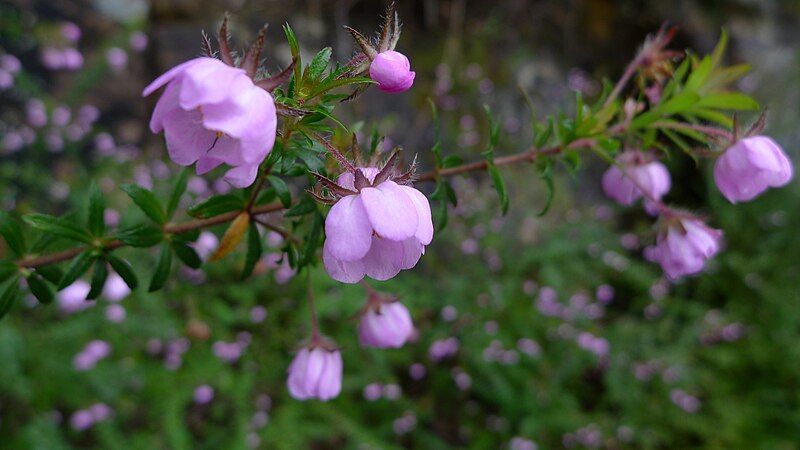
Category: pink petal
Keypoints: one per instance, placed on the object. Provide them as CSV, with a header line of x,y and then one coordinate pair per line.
x,y
208,82
166,104
170,75
391,212
242,176
425,223
342,271
348,233
385,259
186,138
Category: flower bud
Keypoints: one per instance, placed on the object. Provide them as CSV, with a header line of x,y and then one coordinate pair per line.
x,y
392,71
749,167
685,246
385,325
637,175
315,372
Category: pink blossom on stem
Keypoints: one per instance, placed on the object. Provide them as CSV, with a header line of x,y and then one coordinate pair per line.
x,y
213,114
315,372
636,175
71,32
392,71
751,166
385,325
377,232
685,245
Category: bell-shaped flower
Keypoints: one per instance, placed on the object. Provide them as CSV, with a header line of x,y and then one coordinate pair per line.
x,y
385,325
315,372
749,167
685,245
392,71
212,114
635,176
377,231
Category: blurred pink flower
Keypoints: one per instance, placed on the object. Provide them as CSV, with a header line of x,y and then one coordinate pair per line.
x,y
751,166
685,246
385,325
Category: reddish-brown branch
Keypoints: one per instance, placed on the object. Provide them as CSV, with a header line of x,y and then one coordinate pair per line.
x,y
529,155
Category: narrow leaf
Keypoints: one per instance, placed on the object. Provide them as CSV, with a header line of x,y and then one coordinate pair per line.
x,y
187,255
97,207
233,235
51,273
281,189
217,205
58,227
12,233
7,270
8,297
78,267
147,202
162,268
124,270
500,187
141,235
99,276
177,192
254,250
318,64
40,289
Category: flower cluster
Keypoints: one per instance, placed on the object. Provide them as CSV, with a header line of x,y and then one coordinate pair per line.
x,y
684,244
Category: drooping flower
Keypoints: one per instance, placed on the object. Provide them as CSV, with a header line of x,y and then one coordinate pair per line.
x,y
385,325
392,71
315,372
751,166
685,245
213,114
376,230
637,175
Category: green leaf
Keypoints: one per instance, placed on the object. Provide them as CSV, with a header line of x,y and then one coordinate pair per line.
x,y
217,205
177,192
254,250
500,187
546,175
40,289
97,207
78,267
281,189
312,242
699,74
7,270
51,273
451,161
124,270
187,255
99,277
303,207
58,227
8,297
147,202
729,101
12,233
333,84
162,268
318,64
141,235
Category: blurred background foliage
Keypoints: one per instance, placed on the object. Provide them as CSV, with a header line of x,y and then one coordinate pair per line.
x,y
533,331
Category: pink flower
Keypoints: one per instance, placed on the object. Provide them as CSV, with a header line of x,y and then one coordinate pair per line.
x,y
115,289
72,298
377,232
749,167
392,71
203,394
70,31
315,372
211,114
116,58
138,41
635,172
385,325
685,246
